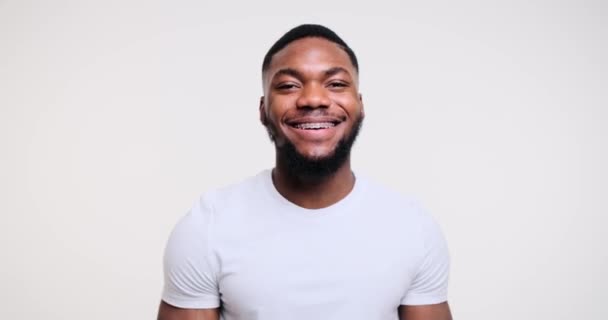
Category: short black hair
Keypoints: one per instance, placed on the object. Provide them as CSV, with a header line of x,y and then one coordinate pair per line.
x,y
308,31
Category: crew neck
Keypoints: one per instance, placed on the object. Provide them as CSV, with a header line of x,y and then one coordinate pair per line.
x,y
347,201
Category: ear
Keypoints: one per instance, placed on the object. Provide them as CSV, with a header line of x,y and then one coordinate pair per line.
x,y
362,108
262,110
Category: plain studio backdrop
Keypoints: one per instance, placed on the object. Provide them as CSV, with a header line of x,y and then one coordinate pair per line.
x,y
116,115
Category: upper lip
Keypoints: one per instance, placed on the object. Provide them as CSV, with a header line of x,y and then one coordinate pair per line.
x,y
317,119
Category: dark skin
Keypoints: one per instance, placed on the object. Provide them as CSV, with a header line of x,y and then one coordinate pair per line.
x,y
169,312
310,74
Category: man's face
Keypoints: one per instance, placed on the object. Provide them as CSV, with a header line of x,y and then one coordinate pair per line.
x,y
311,101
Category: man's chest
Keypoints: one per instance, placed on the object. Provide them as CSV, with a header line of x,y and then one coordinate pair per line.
x,y
279,273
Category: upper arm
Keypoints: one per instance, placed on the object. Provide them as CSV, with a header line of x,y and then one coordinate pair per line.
x,y
429,283
190,269
169,312
439,311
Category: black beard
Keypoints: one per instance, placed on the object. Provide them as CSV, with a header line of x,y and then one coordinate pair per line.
x,y
298,165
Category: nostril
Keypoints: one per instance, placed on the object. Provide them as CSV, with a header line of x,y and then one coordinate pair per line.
x,y
313,98
313,103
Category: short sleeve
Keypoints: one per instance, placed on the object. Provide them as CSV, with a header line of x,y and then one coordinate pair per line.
x,y
430,283
190,271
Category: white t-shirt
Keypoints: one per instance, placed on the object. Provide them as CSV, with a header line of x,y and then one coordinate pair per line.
x,y
259,256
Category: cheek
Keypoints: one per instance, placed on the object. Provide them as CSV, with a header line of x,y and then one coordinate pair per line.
x,y
349,103
277,109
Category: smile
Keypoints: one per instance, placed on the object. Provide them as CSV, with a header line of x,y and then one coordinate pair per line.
x,y
314,125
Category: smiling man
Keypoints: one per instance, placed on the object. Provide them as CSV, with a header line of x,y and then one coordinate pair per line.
x,y
308,239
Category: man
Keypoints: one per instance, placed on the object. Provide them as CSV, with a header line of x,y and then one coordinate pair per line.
x,y
308,239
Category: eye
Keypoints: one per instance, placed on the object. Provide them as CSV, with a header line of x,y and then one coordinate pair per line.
x,y
337,84
286,86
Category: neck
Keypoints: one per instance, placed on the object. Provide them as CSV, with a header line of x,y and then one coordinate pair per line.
x,y
313,192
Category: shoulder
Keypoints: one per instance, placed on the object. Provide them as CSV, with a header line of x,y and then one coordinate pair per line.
x,y
224,202
194,231
405,211
237,191
384,197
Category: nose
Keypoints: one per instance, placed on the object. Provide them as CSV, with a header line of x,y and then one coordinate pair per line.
x,y
313,96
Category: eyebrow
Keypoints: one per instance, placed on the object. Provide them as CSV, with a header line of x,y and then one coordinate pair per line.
x,y
288,72
335,70
297,74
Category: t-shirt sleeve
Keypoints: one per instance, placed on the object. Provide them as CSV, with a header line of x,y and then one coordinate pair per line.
x,y
430,283
190,270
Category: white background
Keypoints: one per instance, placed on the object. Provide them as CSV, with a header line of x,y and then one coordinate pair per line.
x,y
116,115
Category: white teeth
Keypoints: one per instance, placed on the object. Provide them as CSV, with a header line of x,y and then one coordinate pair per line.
x,y
315,125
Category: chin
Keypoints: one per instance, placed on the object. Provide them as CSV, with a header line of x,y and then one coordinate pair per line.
x,y
318,154
305,158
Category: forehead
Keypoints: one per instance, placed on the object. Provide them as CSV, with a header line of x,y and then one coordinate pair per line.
x,y
311,54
